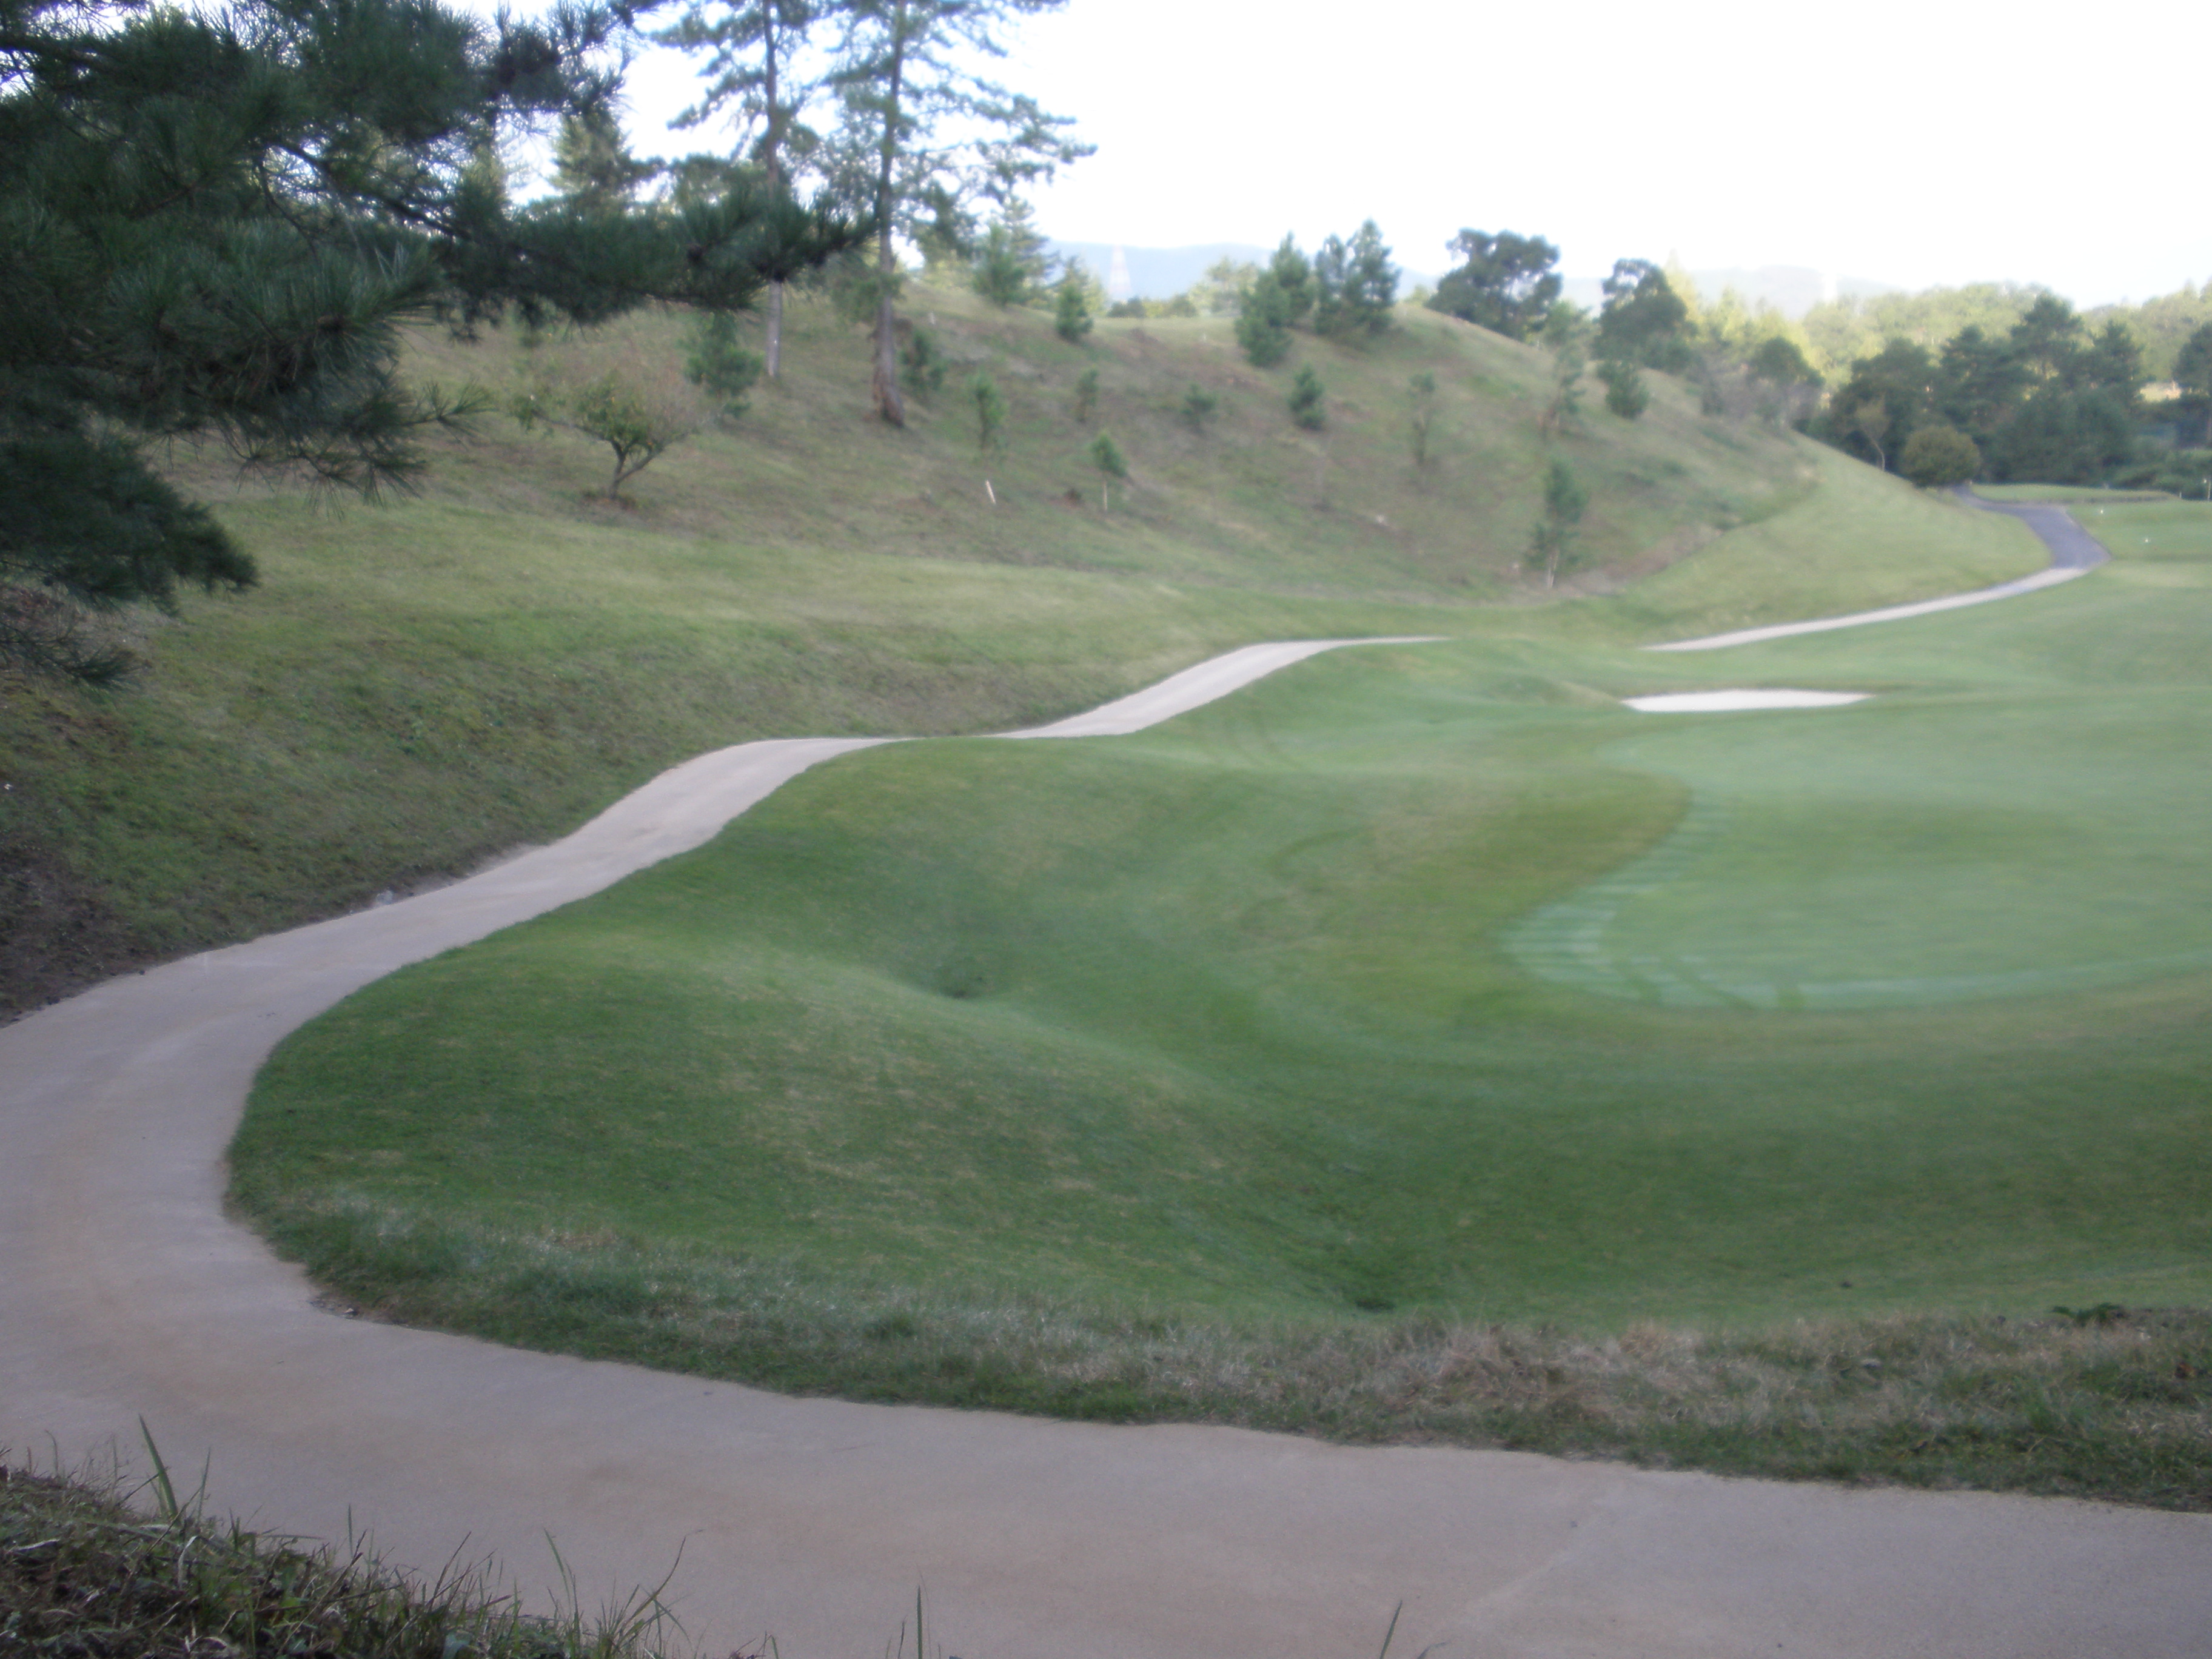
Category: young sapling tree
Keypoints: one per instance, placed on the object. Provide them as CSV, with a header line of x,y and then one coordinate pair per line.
x,y
638,413
990,415
1106,455
1264,313
1565,331
1625,394
715,363
1421,393
925,363
1552,541
1071,308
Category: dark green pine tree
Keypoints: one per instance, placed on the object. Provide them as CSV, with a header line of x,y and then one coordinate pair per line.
x,y
751,48
214,224
1979,383
1355,284
1263,321
925,137
1294,280
2192,373
1643,321
592,166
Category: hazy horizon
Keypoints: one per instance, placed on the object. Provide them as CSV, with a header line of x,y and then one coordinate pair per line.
x,y
1898,143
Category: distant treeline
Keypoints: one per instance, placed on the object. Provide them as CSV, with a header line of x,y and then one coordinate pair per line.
x,y
1841,332
1997,382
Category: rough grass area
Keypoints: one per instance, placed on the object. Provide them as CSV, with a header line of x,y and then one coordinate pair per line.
x,y
1855,529
2098,1401
90,1571
2071,495
418,687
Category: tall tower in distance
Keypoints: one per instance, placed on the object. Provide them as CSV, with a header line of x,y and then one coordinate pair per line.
x,y
1118,285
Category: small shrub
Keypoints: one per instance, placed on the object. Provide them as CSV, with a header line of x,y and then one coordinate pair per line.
x,y
1625,394
1307,396
990,414
1198,407
1264,312
925,363
640,411
1106,455
1937,457
1001,273
1087,396
1421,389
715,363
1552,541
1071,311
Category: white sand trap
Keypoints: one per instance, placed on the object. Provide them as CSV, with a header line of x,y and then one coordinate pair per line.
x,y
1711,702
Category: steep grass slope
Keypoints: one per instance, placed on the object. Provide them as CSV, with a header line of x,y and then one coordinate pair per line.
x,y
417,687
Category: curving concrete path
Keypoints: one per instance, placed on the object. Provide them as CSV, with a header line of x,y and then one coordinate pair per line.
x,y
2073,552
124,1292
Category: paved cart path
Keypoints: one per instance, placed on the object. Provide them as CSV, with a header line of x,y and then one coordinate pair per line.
x,y
2073,552
125,1293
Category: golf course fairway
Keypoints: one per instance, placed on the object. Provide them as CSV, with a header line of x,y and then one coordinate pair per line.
x,y
1418,983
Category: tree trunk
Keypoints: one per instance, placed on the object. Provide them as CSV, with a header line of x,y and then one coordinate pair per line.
x,y
889,404
771,51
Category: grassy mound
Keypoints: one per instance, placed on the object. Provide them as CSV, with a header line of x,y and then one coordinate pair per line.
x,y
419,687
1213,1071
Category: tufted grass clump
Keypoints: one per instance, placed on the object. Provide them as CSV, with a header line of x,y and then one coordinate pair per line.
x,y
91,1568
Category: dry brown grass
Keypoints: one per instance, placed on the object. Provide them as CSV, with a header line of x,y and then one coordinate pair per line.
x,y
2107,1403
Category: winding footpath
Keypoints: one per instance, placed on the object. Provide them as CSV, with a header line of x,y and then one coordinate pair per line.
x,y
124,1292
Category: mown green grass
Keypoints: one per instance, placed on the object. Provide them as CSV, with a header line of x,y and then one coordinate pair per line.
x,y
1097,1076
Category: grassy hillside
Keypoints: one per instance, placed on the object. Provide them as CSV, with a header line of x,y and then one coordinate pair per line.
x,y
1235,1070
419,686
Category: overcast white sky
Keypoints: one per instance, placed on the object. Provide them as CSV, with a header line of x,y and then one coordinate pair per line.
x,y
1913,142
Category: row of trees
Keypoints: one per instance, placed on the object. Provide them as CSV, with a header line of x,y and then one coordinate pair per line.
x,y
2045,400
1741,361
1347,290
1840,331
2046,397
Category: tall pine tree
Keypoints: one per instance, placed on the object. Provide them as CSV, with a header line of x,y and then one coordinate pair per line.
x,y
753,51
931,137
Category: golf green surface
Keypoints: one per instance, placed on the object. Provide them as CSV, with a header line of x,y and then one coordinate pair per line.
x,y
1416,980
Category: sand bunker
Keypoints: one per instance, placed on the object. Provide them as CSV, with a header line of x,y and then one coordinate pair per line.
x,y
1707,703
